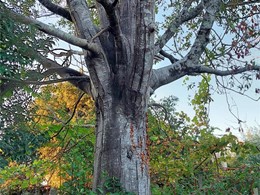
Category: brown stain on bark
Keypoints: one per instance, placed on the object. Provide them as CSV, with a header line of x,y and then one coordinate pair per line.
x,y
143,155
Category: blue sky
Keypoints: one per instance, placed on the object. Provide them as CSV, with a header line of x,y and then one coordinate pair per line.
x,y
246,109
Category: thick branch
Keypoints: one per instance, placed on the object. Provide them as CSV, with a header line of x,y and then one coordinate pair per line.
x,y
202,38
184,67
184,16
98,66
166,75
52,31
56,9
81,17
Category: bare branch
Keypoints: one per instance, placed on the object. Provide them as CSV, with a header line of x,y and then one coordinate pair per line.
x,y
160,106
35,82
158,57
184,16
52,31
65,52
80,80
240,3
169,56
56,9
235,91
54,67
99,33
72,115
236,116
206,69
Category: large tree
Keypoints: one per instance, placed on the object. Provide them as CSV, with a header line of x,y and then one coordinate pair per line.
x,y
120,42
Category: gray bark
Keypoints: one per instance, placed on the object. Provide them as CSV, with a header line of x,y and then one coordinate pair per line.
x,y
121,148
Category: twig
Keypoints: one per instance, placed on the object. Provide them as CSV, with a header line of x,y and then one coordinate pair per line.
x,y
72,115
30,82
99,33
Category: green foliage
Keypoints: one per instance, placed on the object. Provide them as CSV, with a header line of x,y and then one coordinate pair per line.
x,y
16,42
181,161
238,180
79,159
20,145
200,101
187,159
18,177
111,186
183,152
22,6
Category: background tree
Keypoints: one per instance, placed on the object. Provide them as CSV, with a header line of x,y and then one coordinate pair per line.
x,y
188,158
119,54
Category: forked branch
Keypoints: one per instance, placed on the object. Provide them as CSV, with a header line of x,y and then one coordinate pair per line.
x,y
184,16
113,19
202,38
76,78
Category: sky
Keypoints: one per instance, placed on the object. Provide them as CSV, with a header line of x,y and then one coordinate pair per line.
x,y
243,107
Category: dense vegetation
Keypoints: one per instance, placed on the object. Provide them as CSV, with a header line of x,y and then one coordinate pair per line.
x,y
55,147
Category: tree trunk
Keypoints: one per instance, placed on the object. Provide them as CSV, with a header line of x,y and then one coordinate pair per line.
x,y
121,147
120,69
